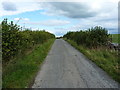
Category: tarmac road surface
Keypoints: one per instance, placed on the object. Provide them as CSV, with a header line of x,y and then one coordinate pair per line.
x,y
66,67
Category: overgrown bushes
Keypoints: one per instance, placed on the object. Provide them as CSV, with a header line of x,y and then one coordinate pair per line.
x,y
91,38
106,59
15,40
92,43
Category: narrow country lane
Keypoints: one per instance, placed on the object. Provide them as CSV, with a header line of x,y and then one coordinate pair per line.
x,y
66,67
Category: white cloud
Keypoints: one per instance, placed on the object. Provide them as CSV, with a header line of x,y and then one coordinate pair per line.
x,y
92,12
9,6
25,19
113,1
62,0
69,9
21,7
49,23
16,19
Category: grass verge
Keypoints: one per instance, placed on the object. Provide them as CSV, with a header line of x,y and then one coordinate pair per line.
x,y
106,59
22,72
115,38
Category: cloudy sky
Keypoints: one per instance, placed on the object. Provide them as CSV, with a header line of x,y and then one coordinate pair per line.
x,y
61,16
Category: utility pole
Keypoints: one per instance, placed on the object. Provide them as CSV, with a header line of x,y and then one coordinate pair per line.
x,y
18,20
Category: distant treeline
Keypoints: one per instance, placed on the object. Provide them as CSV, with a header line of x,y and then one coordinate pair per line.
x,y
15,40
92,38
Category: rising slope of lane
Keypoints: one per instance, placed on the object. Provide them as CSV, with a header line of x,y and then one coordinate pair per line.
x,y
65,67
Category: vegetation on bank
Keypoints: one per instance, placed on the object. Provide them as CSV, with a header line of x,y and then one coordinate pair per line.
x,y
115,38
92,43
20,72
15,40
107,59
92,38
23,51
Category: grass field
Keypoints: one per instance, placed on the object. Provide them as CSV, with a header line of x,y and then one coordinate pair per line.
x,y
21,72
108,60
115,38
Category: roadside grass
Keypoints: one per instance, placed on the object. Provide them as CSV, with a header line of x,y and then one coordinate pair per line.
x,y
21,72
115,38
106,59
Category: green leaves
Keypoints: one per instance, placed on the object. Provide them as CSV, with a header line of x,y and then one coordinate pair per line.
x,y
93,37
15,40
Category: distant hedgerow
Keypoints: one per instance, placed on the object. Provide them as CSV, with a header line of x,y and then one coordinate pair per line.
x,y
93,37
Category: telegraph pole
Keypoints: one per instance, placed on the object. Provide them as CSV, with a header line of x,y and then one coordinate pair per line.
x,y
18,20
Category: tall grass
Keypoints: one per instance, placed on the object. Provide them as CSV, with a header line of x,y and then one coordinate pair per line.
x,y
21,72
108,60
115,38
